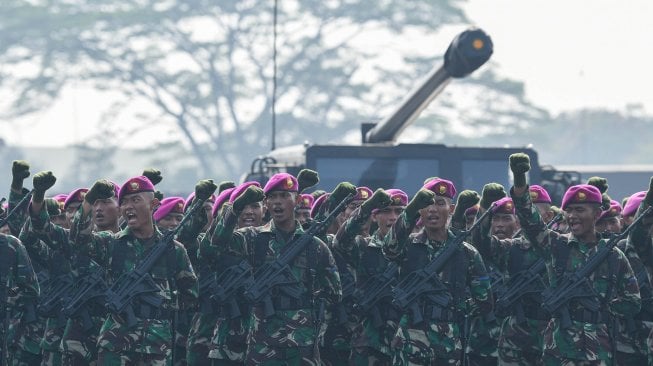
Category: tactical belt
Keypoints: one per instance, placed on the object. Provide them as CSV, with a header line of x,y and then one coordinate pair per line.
x,y
282,302
585,316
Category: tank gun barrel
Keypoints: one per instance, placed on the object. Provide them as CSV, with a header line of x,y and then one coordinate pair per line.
x,y
466,53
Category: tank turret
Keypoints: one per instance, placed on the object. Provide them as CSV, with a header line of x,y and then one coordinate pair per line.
x,y
466,53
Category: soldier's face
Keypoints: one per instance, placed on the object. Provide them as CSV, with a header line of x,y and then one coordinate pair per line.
x,y
436,215
386,217
281,205
207,207
136,210
609,225
581,219
252,215
302,215
169,221
105,213
70,213
504,226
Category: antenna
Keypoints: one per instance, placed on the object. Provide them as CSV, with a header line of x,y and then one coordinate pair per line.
x,y
274,74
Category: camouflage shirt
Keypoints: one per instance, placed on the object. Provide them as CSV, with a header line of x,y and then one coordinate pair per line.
x,y
291,327
151,336
581,341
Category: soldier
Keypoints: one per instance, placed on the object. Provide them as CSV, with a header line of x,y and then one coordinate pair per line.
x,y
60,219
303,209
541,199
229,341
630,208
169,214
72,203
149,341
106,212
291,334
19,288
437,339
204,320
586,340
609,222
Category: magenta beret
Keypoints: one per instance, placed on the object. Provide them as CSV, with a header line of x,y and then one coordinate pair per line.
x,y
441,187
362,193
242,188
281,182
169,205
539,194
305,201
630,209
504,206
472,211
135,185
613,211
399,197
581,193
318,203
75,196
220,200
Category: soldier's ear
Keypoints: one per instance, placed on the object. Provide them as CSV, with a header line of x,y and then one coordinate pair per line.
x,y
155,203
452,208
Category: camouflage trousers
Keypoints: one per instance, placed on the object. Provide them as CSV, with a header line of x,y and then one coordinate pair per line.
x,y
79,345
515,357
229,340
260,354
51,358
125,358
199,339
368,356
21,357
628,359
476,360
550,360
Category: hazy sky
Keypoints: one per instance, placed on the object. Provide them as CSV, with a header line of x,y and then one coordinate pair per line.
x,y
571,54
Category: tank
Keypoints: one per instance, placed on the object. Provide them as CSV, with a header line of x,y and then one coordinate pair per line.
x,y
379,162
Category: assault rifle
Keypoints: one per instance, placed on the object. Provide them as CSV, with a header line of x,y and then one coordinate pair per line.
x,y
51,302
524,283
278,273
348,288
19,205
577,286
375,289
91,288
138,285
425,281
224,289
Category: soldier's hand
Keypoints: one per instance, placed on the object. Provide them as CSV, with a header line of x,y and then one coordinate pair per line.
x,y
600,183
251,195
225,185
158,195
520,164
204,189
342,190
380,199
466,199
317,193
307,178
19,171
423,198
42,181
492,192
153,175
605,202
52,206
101,189
649,195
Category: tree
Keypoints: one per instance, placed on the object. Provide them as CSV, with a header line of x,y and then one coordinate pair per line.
x,y
205,69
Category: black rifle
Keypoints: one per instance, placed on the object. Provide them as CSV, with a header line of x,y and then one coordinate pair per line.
x,y
278,273
52,302
577,286
340,309
90,289
524,283
375,289
138,285
425,281
19,205
222,291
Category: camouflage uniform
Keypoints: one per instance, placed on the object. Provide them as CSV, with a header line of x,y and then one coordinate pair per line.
x,y
632,347
290,334
150,339
587,340
519,343
437,340
370,343
26,340
21,289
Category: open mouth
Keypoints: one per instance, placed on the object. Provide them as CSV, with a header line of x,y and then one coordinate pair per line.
x,y
130,217
248,221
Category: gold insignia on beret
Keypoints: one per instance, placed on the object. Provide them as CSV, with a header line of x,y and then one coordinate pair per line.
x,y
82,194
133,186
396,200
581,196
534,195
509,206
614,210
442,189
180,206
289,183
305,201
364,194
60,205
